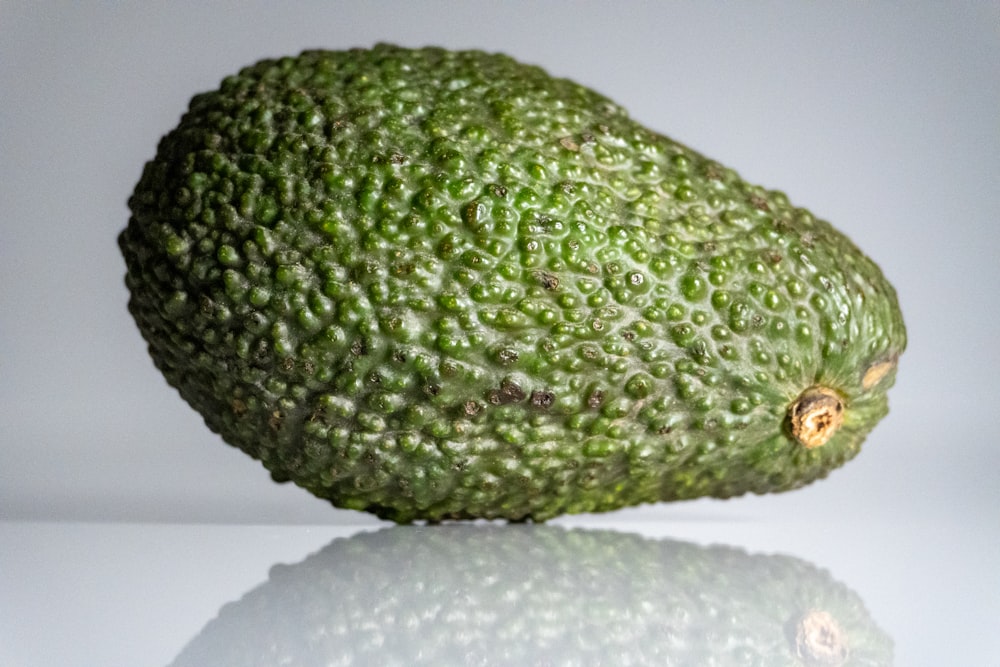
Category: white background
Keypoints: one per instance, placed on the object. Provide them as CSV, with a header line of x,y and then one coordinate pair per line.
x,y
883,118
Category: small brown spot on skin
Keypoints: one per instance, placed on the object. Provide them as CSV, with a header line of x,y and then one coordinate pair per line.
x,y
815,416
238,407
275,420
569,144
548,281
596,399
507,356
512,391
472,408
509,392
759,203
542,399
876,372
358,348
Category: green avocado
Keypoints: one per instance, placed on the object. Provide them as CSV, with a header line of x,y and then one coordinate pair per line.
x,y
540,595
437,285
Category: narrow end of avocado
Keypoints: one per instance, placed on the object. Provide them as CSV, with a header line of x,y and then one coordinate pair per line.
x,y
815,416
819,640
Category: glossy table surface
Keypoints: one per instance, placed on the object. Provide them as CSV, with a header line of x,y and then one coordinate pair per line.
x,y
578,591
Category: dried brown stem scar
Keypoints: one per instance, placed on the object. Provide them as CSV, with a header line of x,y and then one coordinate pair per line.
x,y
815,416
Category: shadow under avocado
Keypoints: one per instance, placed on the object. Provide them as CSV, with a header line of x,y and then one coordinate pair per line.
x,y
539,595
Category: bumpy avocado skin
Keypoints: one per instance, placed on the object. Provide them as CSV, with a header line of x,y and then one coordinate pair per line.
x,y
444,285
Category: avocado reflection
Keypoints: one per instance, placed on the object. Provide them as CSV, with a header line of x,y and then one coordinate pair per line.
x,y
539,595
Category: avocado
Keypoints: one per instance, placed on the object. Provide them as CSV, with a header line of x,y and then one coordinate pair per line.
x,y
436,285
522,595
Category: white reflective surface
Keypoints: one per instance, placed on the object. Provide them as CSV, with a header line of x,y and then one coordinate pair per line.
x,y
575,592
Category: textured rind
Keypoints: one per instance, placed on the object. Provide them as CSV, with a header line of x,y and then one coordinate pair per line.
x,y
434,284
535,595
